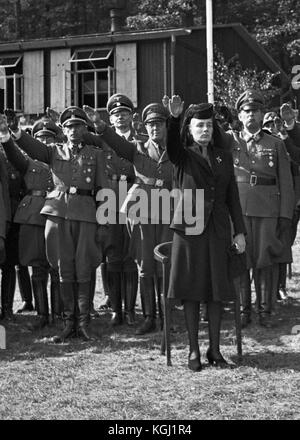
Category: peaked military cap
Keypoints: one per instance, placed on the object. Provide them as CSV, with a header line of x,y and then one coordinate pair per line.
x,y
45,127
251,99
269,117
119,102
155,112
73,115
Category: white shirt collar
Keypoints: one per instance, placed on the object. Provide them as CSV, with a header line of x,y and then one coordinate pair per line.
x,y
126,135
250,135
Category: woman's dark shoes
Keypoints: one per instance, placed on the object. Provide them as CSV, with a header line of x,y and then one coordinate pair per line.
x,y
194,364
216,359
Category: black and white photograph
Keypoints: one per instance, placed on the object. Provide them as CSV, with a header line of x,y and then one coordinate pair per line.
x,y
149,213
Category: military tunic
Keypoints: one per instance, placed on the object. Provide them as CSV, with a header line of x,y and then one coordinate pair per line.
x,y
2,214
263,175
16,191
115,238
153,171
71,208
38,181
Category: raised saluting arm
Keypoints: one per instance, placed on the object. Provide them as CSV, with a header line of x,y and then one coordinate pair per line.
x,y
121,146
174,146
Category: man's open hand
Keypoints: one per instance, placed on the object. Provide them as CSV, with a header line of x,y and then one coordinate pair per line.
x,y
95,117
176,106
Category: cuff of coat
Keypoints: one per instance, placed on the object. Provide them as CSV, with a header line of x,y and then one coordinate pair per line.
x,y
16,134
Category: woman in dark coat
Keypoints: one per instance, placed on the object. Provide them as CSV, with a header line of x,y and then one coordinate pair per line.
x,y
199,269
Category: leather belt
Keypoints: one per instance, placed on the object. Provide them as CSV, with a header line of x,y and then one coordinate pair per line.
x,y
35,192
80,192
256,180
149,181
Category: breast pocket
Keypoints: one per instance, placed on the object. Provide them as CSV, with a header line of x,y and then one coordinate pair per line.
x,y
33,176
60,165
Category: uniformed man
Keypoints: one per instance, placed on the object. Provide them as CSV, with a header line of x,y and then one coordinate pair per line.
x,y
153,171
2,225
122,274
292,128
132,128
274,125
38,181
11,268
54,116
78,172
47,131
264,179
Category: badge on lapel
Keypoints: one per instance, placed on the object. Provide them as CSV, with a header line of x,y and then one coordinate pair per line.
x,y
218,159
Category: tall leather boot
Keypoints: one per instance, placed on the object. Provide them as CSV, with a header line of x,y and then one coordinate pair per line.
x,y
214,311
68,299
93,312
39,287
281,292
55,297
264,295
130,283
115,294
83,292
25,288
148,305
8,285
106,304
244,285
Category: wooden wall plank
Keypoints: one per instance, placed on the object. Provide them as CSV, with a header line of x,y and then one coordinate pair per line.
x,y
33,71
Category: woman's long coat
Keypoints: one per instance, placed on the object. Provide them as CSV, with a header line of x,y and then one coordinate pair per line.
x,y
199,269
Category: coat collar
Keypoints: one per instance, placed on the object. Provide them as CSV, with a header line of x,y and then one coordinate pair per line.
x,y
153,151
195,150
247,136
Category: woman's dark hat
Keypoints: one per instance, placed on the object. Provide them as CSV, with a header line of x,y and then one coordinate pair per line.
x,y
200,111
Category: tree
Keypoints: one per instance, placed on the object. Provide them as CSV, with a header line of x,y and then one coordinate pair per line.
x,y
273,23
231,79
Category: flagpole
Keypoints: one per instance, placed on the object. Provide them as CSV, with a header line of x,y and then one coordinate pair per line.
x,y
209,51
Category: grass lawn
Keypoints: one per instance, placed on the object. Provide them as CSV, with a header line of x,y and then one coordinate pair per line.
x,y
123,376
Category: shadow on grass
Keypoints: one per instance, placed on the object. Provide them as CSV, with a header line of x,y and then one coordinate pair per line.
x,y
270,361
23,344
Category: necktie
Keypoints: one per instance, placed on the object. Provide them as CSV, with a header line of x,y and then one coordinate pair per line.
x,y
251,146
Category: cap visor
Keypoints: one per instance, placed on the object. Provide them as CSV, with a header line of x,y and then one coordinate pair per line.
x,y
121,107
45,133
74,121
251,106
155,117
